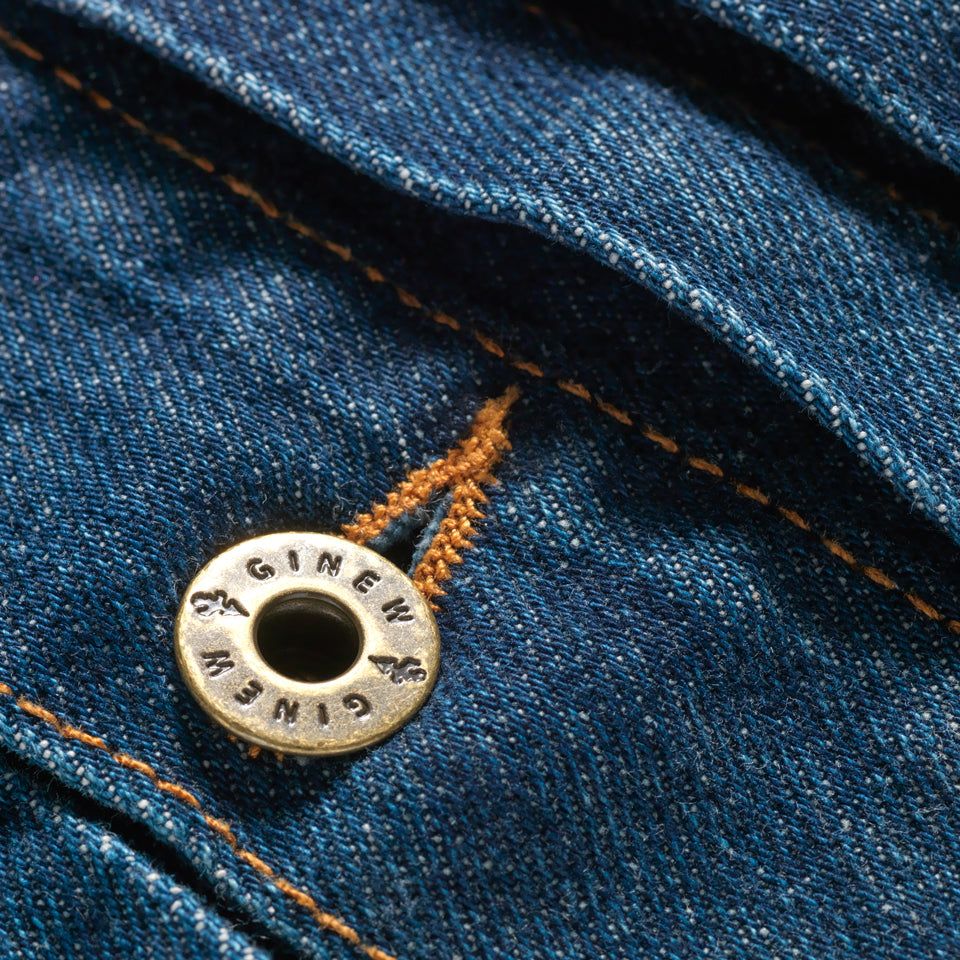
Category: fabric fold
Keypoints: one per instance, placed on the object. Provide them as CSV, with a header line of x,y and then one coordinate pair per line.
x,y
818,276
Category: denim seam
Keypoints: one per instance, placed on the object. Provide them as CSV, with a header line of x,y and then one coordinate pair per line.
x,y
462,471
408,299
669,280
325,920
906,113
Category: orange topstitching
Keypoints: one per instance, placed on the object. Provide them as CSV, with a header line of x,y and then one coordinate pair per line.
x,y
374,275
326,920
457,513
470,461
463,469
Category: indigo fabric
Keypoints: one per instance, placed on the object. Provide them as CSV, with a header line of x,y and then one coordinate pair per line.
x,y
498,111
699,689
74,888
863,51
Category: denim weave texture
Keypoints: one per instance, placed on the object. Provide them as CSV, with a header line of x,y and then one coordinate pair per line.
x,y
699,687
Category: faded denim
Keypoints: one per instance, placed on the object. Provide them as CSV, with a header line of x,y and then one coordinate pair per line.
x,y
699,685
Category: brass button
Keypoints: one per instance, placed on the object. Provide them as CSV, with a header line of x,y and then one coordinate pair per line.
x,y
306,644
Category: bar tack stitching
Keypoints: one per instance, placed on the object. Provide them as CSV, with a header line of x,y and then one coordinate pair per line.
x,y
533,369
462,470
454,536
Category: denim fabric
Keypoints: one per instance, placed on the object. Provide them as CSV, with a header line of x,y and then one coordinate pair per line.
x,y
899,61
673,719
74,888
494,110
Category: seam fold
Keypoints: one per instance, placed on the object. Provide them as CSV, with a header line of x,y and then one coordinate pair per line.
x,y
557,20
269,209
463,470
221,828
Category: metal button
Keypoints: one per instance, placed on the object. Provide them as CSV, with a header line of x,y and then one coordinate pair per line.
x,y
306,644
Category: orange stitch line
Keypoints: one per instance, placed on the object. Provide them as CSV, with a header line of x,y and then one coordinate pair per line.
x,y
441,318
845,555
615,412
752,493
577,389
304,899
304,230
375,953
179,792
171,144
879,577
489,345
100,101
265,205
35,711
72,733
471,459
526,367
454,535
137,124
464,468
14,44
794,518
244,190
343,253
134,764
68,78
326,920
924,607
254,861
237,186
221,827
247,191
705,465
659,438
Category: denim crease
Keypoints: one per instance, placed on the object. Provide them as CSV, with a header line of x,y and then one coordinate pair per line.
x,y
658,198
669,721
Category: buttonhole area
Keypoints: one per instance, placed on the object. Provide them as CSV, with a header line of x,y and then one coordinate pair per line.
x,y
308,637
407,538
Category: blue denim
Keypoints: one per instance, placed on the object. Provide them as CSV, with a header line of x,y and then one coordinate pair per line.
x,y
72,880
699,686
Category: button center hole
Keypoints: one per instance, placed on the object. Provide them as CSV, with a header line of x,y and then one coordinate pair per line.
x,y
307,637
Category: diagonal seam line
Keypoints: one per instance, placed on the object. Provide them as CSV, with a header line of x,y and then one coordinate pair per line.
x,y
455,535
471,461
270,209
326,920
